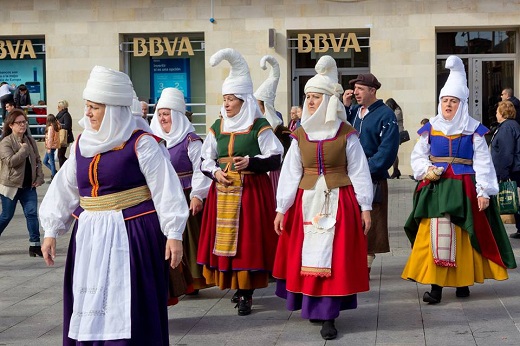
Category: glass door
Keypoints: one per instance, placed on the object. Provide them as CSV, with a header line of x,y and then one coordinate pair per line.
x,y
487,79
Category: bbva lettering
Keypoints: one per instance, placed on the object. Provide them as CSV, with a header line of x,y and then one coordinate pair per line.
x,y
323,42
156,46
19,50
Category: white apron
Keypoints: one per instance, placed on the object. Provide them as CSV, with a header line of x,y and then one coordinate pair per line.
x,y
101,279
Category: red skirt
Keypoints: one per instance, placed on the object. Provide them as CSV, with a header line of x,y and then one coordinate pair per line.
x,y
256,236
349,253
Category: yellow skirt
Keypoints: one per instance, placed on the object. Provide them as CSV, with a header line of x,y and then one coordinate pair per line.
x,y
236,279
471,266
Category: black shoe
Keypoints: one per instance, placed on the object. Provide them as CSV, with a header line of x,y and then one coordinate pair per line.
x,y
244,305
433,297
515,235
328,330
35,251
395,175
315,320
235,298
462,292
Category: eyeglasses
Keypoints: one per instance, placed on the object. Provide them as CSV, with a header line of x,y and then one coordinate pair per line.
x,y
20,123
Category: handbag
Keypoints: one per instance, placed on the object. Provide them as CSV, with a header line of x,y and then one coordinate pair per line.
x,y
404,136
63,138
507,197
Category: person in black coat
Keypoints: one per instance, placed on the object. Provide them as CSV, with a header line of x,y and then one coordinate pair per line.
x,y
505,149
65,121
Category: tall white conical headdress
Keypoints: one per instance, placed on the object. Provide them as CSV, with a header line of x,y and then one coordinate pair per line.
x,y
239,80
267,90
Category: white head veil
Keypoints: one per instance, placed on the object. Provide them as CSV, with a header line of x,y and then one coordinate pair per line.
x,y
172,99
137,112
239,84
113,89
456,86
266,92
325,122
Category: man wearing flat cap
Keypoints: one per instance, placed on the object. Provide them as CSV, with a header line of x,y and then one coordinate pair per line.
x,y
379,136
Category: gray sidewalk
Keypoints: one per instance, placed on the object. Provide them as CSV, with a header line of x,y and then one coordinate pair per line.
x,y
391,313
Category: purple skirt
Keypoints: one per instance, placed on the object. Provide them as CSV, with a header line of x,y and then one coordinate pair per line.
x,y
149,285
315,308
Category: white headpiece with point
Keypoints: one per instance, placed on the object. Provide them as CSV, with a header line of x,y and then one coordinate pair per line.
x,y
266,92
238,83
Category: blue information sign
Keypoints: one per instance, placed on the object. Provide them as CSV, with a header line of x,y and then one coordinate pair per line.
x,y
170,73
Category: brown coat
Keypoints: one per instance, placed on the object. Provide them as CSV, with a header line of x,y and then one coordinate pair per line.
x,y
12,160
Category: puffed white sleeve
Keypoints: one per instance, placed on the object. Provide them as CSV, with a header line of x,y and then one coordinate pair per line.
x,y
209,155
290,177
61,199
359,173
420,157
269,144
485,174
199,182
164,184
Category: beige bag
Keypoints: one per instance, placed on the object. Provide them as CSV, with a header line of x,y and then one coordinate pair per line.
x,y
63,137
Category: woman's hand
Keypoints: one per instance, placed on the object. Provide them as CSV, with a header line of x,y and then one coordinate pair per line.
x,y
49,250
366,221
195,205
278,223
173,252
241,163
222,177
483,203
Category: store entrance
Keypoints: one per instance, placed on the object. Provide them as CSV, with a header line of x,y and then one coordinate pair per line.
x,y
488,78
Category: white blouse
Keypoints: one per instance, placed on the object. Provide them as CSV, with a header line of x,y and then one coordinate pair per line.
x,y
62,198
199,182
357,168
267,141
485,175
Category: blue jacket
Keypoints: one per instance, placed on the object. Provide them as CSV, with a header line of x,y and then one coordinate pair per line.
x,y
505,149
379,136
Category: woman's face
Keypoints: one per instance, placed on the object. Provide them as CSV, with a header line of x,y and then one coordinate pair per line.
x,y
232,105
313,102
60,107
449,106
165,119
95,112
299,112
19,126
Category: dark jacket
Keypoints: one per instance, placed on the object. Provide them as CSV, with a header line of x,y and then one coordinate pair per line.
x,y
65,120
379,136
516,103
21,100
505,149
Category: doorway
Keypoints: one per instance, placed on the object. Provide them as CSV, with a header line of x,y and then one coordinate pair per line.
x,y
487,77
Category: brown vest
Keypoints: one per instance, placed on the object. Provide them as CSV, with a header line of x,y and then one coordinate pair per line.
x,y
327,157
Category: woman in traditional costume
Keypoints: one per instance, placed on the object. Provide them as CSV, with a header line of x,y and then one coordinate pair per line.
x,y
170,123
124,194
455,229
237,241
324,200
265,95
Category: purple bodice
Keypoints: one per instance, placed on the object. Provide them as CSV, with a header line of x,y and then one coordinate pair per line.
x,y
112,171
181,161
